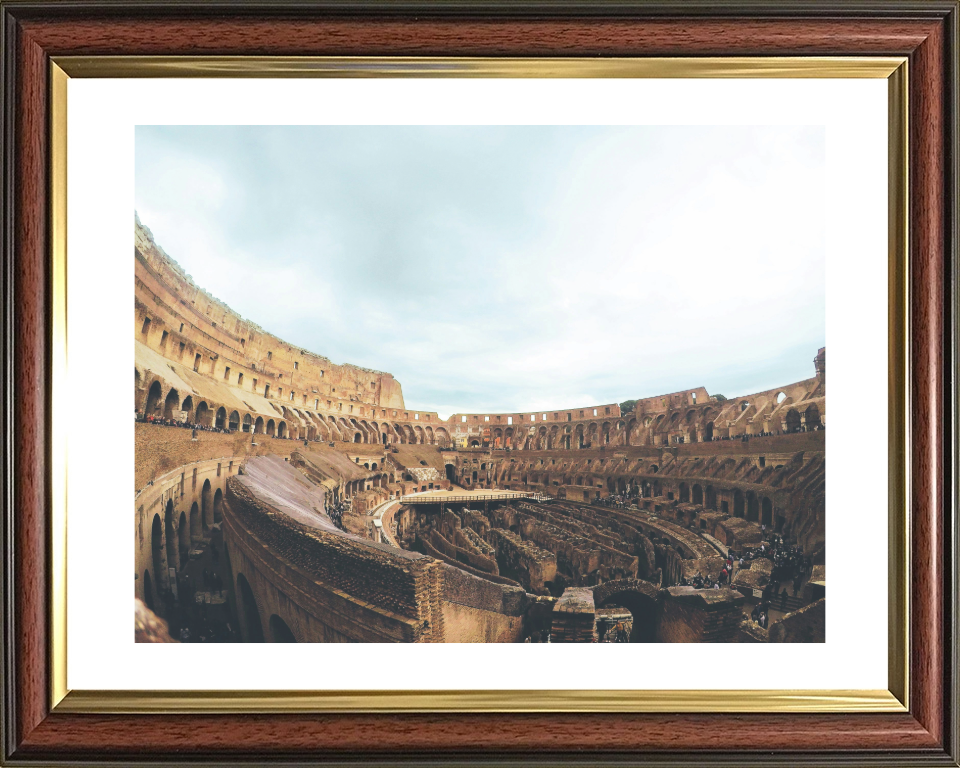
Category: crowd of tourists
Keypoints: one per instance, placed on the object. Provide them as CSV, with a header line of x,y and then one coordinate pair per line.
x,y
159,421
616,501
746,437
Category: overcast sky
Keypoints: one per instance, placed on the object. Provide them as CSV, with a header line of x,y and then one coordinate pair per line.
x,y
509,268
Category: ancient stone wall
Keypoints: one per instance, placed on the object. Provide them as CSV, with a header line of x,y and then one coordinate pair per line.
x,y
807,625
700,616
404,585
532,566
479,611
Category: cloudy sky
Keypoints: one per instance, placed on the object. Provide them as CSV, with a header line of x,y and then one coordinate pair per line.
x,y
509,268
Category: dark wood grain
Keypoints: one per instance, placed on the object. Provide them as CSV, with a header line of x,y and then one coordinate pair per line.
x,y
924,32
527,734
30,387
927,319
425,36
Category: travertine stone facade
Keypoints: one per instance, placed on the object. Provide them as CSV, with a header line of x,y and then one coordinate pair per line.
x,y
278,436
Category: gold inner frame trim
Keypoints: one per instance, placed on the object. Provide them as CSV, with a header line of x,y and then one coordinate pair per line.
x,y
182,702
440,67
893,69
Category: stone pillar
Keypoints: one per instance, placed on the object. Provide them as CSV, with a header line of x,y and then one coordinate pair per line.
x,y
575,617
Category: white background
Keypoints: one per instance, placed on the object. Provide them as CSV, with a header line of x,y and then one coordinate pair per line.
x,y
101,527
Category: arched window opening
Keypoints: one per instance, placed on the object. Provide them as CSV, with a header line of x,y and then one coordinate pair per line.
x,y
218,506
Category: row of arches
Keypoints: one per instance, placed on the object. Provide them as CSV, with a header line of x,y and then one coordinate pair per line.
x,y
295,423
172,535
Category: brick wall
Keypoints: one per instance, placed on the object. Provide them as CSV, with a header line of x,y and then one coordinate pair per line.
x,y
161,449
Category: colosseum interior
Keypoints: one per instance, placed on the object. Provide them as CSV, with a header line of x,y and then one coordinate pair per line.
x,y
283,498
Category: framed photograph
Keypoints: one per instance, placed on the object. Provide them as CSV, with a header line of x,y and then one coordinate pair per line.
x,y
464,329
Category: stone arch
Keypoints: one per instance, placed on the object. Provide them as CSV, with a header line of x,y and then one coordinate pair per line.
x,y
159,558
233,423
170,536
203,415
206,504
187,407
218,506
753,507
791,422
281,429
247,422
429,433
258,426
697,497
171,404
196,524
221,420
183,537
250,611
271,428
442,437
154,395
684,493
418,431
811,416
639,597
280,632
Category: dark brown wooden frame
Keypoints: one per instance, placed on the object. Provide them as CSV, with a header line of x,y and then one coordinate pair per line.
x,y
926,32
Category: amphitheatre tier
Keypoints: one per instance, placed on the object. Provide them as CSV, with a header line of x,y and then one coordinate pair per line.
x,y
330,512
